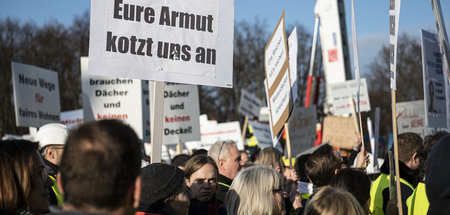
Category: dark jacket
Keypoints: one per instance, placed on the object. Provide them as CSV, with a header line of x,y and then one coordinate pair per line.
x,y
59,211
53,170
224,184
157,208
410,176
437,177
200,208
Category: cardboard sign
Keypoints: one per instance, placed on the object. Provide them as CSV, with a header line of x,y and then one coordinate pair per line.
x,y
114,98
171,41
262,133
182,111
249,104
341,93
302,128
72,118
276,66
433,82
36,95
339,131
411,117
212,132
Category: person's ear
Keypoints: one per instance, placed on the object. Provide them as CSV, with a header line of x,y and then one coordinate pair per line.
x,y
414,157
59,183
188,183
137,192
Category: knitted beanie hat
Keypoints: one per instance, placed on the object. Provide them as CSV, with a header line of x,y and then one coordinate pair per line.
x,y
159,181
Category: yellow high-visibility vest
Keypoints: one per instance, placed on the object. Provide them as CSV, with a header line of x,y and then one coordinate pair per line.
x,y
418,202
59,196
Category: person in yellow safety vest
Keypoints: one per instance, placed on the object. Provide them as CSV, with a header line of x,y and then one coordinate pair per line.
x,y
409,144
52,138
251,139
418,202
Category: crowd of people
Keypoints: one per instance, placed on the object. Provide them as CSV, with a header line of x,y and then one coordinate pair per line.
x,y
97,168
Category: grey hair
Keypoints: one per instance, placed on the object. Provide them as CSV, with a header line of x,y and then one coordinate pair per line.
x,y
221,148
252,192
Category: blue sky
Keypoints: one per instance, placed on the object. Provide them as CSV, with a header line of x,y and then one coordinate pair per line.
x,y
371,17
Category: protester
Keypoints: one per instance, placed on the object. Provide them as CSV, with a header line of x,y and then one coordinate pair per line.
x,y
227,157
437,177
244,157
256,190
305,186
180,161
100,169
51,138
272,158
201,178
322,165
418,202
409,145
355,182
164,191
336,201
24,180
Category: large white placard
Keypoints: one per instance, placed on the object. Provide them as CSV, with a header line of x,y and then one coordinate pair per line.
x,y
114,98
433,82
302,128
262,133
341,93
212,132
276,65
394,15
72,118
183,41
36,95
182,111
411,117
293,49
249,104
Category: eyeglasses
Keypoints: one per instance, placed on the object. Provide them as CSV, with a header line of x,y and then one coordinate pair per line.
x,y
280,190
220,151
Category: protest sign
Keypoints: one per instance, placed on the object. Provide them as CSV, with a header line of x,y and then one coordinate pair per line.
x,y
433,82
411,117
293,49
302,128
170,41
262,133
36,95
181,113
341,92
212,132
394,14
72,118
249,104
276,66
114,98
339,131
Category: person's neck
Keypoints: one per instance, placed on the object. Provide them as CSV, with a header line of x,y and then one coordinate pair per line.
x,y
91,209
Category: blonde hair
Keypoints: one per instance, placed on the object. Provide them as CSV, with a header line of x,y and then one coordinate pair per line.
x,y
271,157
333,201
252,192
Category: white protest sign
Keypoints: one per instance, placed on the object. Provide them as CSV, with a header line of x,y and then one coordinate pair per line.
x,y
302,128
36,95
262,133
170,41
211,132
276,67
114,98
394,15
433,82
293,49
249,104
182,111
445,46
72,118
411,117
341,93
